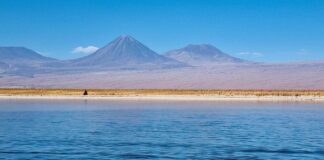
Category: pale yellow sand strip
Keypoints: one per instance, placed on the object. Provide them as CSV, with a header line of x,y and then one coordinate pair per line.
x,y
174,98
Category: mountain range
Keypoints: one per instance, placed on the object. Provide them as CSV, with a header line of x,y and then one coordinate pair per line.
x,y
127,63
124,52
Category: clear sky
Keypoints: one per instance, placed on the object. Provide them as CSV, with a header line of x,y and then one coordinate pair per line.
x,y
262,30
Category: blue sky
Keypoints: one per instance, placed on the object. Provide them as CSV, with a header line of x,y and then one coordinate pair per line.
x,y
262,30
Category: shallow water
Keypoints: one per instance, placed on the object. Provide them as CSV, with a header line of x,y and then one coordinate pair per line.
x,y
98,129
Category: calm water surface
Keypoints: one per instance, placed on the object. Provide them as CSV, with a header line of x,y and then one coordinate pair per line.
x,y
79,129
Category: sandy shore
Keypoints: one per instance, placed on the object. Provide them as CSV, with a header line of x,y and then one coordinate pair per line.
x,y
174,98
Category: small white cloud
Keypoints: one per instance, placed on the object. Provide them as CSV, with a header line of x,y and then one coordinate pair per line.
x,y
251,54
86,50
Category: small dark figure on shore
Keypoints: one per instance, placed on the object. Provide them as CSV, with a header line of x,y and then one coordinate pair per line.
x,y
85,92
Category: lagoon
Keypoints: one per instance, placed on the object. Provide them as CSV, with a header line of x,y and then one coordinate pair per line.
x,y
139,129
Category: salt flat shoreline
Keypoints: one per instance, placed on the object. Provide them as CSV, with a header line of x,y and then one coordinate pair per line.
x,y
172,98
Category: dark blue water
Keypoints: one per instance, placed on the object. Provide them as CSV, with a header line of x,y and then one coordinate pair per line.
x,y
40,129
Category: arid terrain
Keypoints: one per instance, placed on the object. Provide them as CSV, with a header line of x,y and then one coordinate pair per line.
x,y
257,76
139,92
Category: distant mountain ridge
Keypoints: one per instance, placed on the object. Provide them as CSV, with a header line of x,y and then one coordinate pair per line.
x,y
125,51
22,61
12,54
201,54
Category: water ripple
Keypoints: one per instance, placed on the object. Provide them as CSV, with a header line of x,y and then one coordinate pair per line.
x,y
137,156
43,152
283,151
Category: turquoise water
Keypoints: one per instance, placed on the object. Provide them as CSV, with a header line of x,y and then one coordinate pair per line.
x,y
79,129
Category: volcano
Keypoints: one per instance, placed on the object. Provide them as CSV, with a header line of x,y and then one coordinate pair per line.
x,y
125,51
